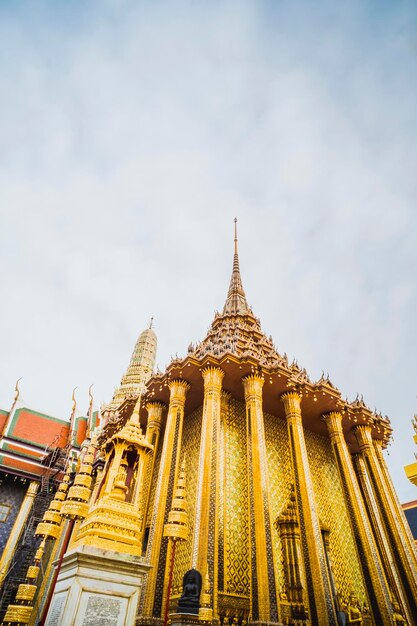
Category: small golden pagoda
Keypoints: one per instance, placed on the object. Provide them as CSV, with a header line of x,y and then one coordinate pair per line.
x,y
289,513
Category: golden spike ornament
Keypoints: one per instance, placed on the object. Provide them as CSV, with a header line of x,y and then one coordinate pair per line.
x,y
177,527
76,503
48,528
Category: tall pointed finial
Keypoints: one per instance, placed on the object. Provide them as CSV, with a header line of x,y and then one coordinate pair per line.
x,y
17,390
90,409
151,322
90,425
74,406
236,299
15,399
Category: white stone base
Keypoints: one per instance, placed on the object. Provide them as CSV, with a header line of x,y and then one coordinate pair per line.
x,y
97,587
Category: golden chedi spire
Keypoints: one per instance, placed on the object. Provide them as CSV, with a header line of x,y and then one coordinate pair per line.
x,y
236,303
139,371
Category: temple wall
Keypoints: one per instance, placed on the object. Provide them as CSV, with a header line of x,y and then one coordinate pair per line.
x,y
280,479
333,516
234,498
233,509
12,492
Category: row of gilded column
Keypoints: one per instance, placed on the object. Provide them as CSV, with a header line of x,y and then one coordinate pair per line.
x,y
383,540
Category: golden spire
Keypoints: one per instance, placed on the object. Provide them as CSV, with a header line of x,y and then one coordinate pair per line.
x,y
236,303
139,371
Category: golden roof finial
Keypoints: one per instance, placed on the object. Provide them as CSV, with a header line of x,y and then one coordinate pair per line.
x,y
16,395
17,390
90,425
74,406
236,299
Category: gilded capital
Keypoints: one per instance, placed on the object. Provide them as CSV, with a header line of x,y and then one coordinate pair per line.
x,y
225,396
155,410
213,377
292,403
252,385
333,421
363,436
378,444
178,389
32,489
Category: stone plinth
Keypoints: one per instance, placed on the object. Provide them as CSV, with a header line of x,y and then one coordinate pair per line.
x,y
97,587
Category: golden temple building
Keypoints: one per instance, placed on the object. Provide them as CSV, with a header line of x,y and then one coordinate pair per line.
x,y
233,464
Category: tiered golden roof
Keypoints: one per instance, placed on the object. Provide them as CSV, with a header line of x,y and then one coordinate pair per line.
x,y
236,343
177,526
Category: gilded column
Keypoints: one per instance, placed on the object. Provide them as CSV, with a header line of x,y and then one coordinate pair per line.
x,y
17,528
318,586
168,470
381,539
367,551
264,595
402,551
153,430
218,581
390,489
206,527
153,427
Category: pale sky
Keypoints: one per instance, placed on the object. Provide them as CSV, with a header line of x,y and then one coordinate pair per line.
x,y
132,133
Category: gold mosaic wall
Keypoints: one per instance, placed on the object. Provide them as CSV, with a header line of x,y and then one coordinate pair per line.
x,y
280,477
190,447
333,516
235,502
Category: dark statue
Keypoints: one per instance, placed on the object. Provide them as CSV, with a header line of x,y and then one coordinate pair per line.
x,y
191,588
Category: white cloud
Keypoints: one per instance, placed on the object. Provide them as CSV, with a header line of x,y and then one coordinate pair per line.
x,y
133,133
